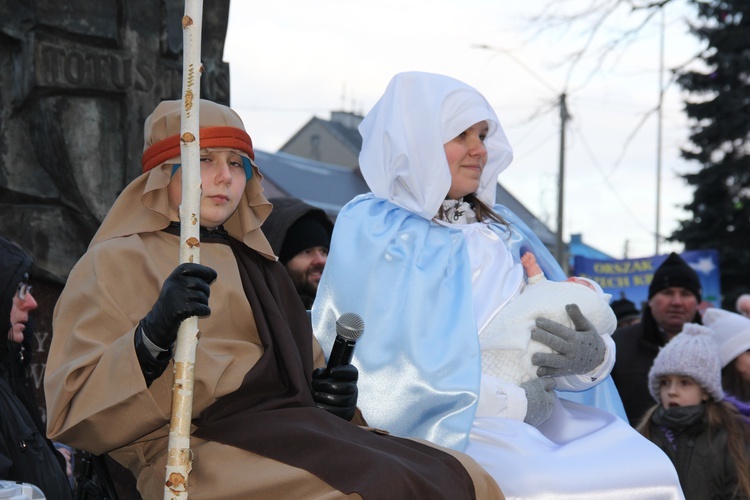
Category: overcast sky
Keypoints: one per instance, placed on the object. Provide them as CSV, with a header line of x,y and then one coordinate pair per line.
x,y
291,60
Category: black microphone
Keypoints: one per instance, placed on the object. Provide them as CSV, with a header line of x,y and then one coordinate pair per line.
x,y
349,328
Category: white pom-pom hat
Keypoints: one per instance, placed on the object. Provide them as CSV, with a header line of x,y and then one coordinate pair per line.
x,y
693,353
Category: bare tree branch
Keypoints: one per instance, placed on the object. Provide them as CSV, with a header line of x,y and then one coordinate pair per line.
x,y
593,17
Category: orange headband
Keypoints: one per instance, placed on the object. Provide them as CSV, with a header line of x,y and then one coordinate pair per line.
x,y
211,137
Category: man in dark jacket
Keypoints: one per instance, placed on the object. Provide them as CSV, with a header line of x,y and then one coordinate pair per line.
x,y
300,235
673,299
26,455
625,312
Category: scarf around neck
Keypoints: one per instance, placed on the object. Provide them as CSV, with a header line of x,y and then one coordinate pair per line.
x,y
457,212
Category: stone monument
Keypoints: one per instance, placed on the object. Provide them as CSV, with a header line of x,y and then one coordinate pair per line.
x,y
77,81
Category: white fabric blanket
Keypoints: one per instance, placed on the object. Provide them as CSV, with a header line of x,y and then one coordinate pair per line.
x,y
506,342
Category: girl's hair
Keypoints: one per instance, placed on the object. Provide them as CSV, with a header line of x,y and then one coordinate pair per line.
x,y
721,415
481,209
734,384
725,415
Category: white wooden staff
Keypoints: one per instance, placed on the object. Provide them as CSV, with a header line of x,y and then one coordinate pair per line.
x,y
179,458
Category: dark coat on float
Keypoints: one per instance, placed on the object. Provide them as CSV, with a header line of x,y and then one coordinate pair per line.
x,y
26,455
705,468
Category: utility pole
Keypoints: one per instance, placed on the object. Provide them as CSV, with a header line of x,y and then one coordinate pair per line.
x,y
564,117
659,133
559,245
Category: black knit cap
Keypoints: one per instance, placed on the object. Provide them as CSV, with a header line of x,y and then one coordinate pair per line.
x,y
624,309
675,272
307,232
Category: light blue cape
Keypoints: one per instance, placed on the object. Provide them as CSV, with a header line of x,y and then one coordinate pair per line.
x,y
410,280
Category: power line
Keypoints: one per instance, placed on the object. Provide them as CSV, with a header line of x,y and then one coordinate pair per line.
x,y
564,118
605,179
521,64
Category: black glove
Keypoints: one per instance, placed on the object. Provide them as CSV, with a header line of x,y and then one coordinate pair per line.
x,y
151,366
336,392
184,294
580,350
540,400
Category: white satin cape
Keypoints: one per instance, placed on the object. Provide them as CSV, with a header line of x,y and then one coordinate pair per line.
x,y
420,366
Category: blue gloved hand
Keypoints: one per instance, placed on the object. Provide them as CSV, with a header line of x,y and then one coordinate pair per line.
x,y
578,351
336,391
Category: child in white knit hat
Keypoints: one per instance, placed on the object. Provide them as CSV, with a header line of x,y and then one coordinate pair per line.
x,y
705,437
733,336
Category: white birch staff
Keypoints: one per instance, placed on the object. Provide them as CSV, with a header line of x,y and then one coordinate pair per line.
x,y
179,458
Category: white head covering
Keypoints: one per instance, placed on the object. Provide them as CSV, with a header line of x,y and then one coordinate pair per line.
x,y
732,333
402,157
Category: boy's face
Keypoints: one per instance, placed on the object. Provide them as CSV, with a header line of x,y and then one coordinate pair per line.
x,y
222,183
680,390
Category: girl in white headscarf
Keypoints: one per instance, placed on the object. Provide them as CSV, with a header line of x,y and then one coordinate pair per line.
x,y
428,259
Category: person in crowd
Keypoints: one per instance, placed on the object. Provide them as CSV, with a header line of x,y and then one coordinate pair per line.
x,y
625,312
428,262
743,305
733,337
704,436
26,455
300,235
673,297
269,419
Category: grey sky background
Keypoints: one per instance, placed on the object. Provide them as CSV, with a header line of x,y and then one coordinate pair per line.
x,y
291,60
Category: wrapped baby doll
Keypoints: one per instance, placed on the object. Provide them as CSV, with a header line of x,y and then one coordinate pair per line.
x,y
506,343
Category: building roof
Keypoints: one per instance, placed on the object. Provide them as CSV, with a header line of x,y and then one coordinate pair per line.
x,y
578,248
322,185
584,250
545,234
348,135
342,126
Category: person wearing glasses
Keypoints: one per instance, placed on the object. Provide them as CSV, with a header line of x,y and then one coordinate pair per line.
x,y
26,455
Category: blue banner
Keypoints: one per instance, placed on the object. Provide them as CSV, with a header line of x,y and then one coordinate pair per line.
x,y
630,278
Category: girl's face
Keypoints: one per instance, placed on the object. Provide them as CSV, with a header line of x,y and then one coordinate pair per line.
x,y
680,390
742,365
467,156
222,183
